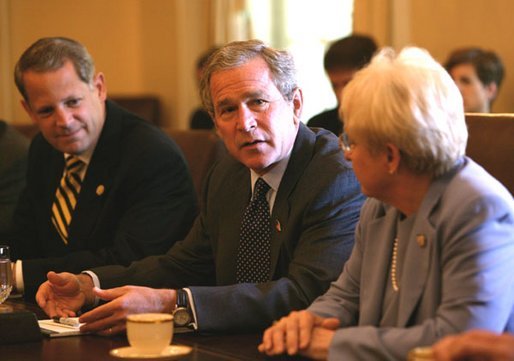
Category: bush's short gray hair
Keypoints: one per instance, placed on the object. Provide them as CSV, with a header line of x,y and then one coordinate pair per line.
x,y
238,53
411,101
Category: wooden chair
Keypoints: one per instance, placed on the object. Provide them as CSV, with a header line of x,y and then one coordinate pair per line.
x,y
29,130
147,107
491,144
201,148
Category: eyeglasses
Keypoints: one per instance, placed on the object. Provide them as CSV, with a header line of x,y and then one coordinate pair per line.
x,y
345,143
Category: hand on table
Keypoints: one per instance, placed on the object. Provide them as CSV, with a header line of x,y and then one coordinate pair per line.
x,y
301,332
475,345
64,294
109,318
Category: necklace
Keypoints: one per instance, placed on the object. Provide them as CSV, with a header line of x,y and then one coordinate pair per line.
x,y
394,281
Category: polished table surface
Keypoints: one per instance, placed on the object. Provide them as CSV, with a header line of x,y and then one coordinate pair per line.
x,y
90,347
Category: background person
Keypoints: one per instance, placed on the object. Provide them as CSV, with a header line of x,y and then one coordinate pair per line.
x,y
435,240
478,73
14,148
342,60
308,214
200,118
127,192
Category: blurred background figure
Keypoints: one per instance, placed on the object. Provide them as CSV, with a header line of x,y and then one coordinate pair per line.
x,y
200,118
342,60
478,73
14,148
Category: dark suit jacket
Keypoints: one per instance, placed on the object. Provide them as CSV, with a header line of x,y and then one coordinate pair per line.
x,y
328,120
14,148
317,207
137,199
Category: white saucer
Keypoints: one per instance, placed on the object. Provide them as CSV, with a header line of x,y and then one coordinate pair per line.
x,y
171,352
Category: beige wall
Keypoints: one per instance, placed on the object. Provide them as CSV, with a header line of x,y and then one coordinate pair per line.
x,y
141,46
150,46
441,25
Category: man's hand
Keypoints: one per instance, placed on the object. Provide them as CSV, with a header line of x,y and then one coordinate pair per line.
x,y
475,345
300,332
110,318
64,294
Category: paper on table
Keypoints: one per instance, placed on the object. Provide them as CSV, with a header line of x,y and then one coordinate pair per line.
x,y
55,329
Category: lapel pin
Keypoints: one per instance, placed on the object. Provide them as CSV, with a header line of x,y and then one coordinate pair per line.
x,y
421,240
278,226
100,190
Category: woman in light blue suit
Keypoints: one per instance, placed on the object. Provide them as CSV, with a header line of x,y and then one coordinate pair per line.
x,y
435,242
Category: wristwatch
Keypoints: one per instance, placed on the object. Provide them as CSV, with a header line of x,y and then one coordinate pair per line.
x,y
182,316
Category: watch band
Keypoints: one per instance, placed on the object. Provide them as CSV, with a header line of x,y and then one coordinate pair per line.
x,y
182,299
183,314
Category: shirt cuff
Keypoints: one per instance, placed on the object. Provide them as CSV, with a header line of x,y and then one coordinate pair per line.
x,y
193,309
96,283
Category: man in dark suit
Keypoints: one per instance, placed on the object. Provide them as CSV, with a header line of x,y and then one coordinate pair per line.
x,y
14,148
342,60
135,196
312,202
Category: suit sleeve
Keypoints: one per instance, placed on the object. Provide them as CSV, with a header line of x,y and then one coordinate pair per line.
x,y
154,206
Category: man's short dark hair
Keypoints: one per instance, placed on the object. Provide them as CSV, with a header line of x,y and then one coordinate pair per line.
x,y
487,64
351,52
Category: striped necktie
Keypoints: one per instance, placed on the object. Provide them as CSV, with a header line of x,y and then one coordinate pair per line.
x,y
254,254
66,196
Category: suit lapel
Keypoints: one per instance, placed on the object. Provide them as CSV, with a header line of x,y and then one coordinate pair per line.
x,y
237,197
421,248
415,269
375,266
100,176
300,157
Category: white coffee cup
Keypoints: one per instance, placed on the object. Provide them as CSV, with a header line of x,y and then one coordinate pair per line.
x,y
150,333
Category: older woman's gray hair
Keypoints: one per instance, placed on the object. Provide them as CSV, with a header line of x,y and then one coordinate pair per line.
x,y
408,100
238,53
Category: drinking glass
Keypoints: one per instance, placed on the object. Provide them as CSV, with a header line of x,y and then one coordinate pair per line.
x,y
5,273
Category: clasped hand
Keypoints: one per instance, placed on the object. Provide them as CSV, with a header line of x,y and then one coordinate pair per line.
x,y
64,294
301,332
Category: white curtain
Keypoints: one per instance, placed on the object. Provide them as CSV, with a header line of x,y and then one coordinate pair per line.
x,y
231,21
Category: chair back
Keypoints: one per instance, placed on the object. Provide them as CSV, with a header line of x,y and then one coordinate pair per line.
x,y
491,144
201,148
147,107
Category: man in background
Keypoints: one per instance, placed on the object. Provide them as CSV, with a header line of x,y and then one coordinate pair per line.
x,y
342,60
478,74
200,118
248,258
14,148
103,186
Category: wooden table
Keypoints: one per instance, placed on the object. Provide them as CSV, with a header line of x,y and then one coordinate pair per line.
x,y
214,347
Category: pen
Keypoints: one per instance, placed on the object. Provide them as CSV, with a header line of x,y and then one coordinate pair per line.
x,y
69,321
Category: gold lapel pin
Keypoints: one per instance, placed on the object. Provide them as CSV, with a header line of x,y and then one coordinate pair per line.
x,y
100,190
422,240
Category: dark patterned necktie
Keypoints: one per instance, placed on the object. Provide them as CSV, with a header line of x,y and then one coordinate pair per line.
x,y
66,196
254,254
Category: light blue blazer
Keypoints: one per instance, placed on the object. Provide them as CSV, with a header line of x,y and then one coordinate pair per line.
x,y
460,278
